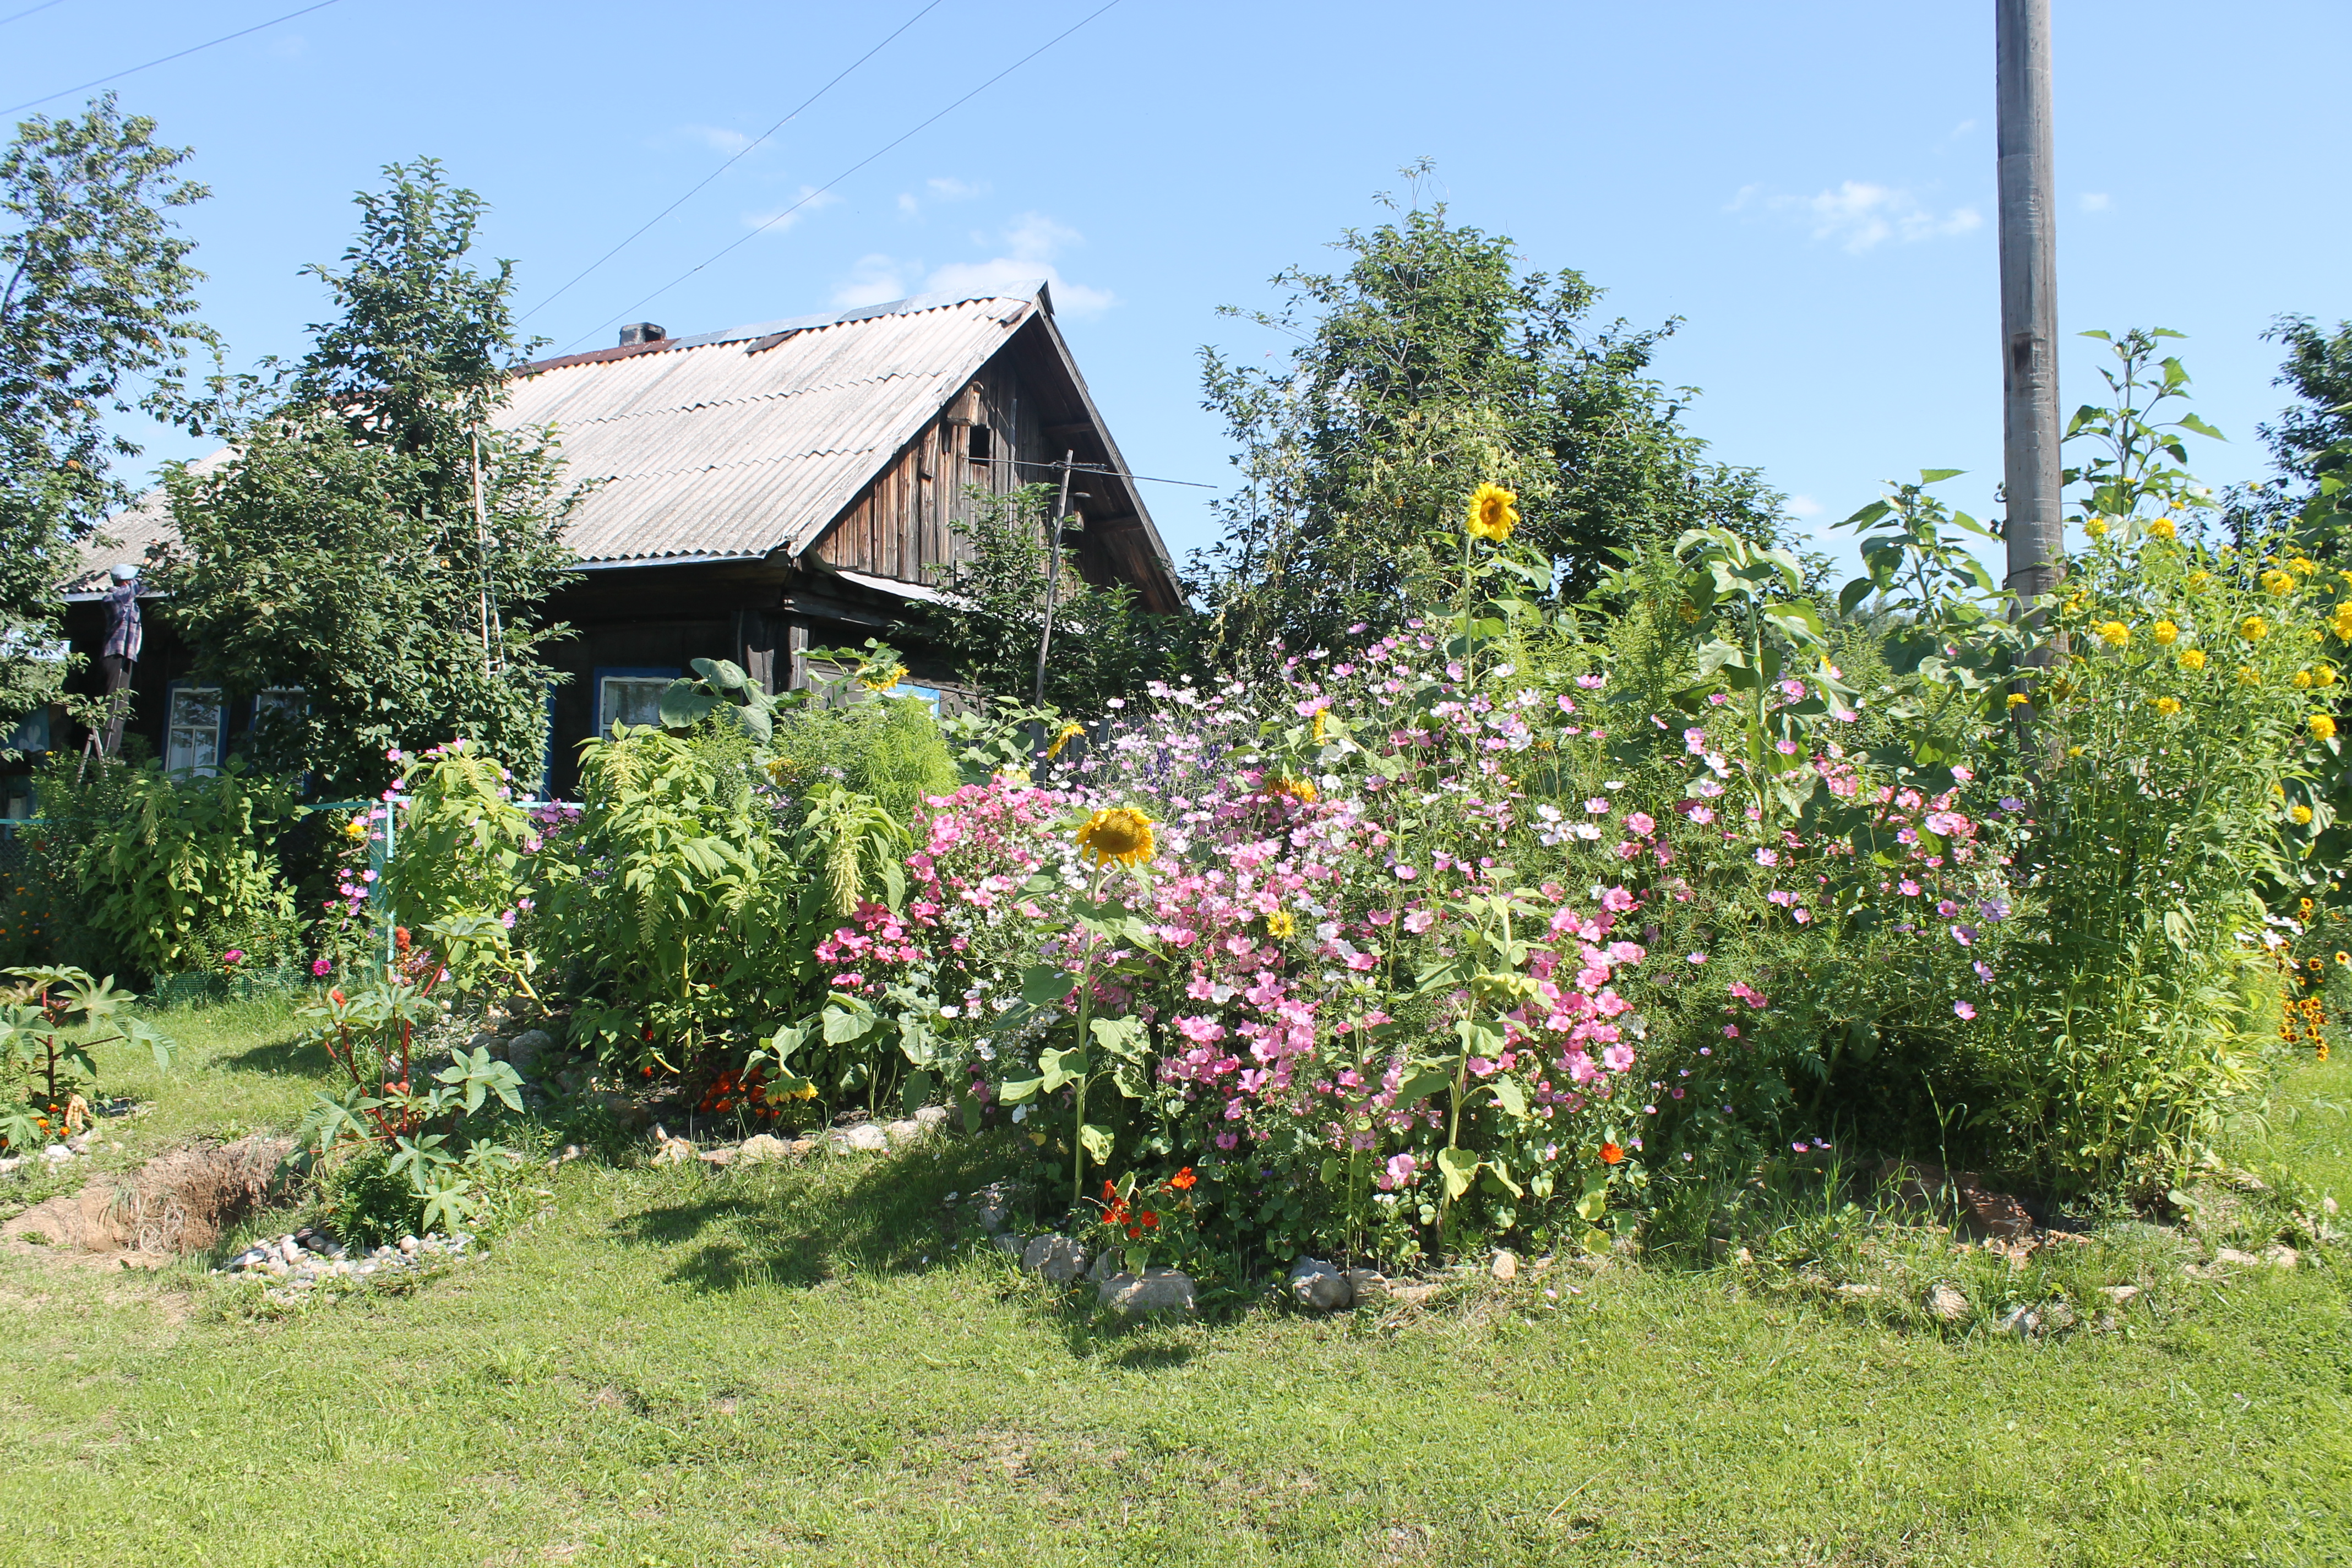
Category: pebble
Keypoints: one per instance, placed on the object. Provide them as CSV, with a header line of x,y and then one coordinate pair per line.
x,y
1946,1304
1505,1266
2120,1294
299,1264
866,1137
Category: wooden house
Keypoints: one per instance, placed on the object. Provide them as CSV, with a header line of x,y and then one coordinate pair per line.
x,y
761,491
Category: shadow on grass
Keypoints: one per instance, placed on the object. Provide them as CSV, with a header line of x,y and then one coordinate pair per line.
x,y
281,1058
836,1217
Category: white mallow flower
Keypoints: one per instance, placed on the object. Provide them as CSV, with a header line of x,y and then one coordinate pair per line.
x,y
1019,1113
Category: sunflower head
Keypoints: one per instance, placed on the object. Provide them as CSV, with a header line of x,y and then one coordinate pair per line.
x,y
1303,791
2168,706
2096,527
2196,580
1062,737
1118,832
882,681
1494,513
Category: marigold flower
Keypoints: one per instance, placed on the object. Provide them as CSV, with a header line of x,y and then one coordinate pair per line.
x,y
2301,817
2165,631
2168,706
2303,681
2323,728
2162,529
2192,658
1118,832
2114,634
2253,628
2019,700
1062,737
1494,513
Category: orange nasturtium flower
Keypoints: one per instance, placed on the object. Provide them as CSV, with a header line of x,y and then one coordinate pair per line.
x,y
1611,1155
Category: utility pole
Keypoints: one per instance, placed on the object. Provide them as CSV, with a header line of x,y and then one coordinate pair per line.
x,y
2031,470
1052,575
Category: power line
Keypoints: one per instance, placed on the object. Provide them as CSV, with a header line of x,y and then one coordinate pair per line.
x,y
828,186
166,59
730,163
28,11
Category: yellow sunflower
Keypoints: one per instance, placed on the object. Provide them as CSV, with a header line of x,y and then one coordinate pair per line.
x,y
1494,513
1118,832
2301,817
2277,581
1062,737
2168,706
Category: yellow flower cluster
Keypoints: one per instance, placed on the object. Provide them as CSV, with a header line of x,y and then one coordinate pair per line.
x,y
2168,706
2114,634
2323,728
2165,633
2192,658
2253,628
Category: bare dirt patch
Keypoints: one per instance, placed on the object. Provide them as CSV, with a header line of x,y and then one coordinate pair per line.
x,y
175,1204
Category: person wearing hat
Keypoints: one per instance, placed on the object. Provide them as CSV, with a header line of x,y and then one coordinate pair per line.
x,y
124,635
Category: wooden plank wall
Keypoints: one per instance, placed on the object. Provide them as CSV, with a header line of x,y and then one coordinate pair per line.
x,y
905,524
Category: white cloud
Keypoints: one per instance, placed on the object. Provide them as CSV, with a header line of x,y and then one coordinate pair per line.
x,y
908,204
1030,243
718,138
1804,506
947,189
875,279
779,220
1861,215
2096,201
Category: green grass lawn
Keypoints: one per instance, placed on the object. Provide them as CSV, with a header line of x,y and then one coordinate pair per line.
x,y
678,1366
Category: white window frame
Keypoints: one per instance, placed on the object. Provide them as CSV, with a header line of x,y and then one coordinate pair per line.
x,y
176,753
608,708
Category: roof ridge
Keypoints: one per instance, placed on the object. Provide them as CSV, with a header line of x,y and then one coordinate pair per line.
x,y
1032,292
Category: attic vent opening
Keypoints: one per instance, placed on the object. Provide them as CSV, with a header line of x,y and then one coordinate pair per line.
x,y
641,333
981,449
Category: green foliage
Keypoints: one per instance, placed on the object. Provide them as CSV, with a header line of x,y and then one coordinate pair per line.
x,y
1432,364
1104,643
888,748
45,1042
344,550
185,868
99,294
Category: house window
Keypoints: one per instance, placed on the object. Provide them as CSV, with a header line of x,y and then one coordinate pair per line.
x,y
630,696
192,735
930,694
279,706
32,733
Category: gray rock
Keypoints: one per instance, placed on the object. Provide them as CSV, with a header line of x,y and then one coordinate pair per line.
x,y
2057,1317
2278,1255
56,1153
1366,1287
761,1147
1505,1266
11,1166
409,1245
865,1138
1946,1304
903,1132
1158,1291
1319,1288
993,1218
1006,1242
932,1116
526,1049
2236,1258
2023,1322
1056,1258
2120,1294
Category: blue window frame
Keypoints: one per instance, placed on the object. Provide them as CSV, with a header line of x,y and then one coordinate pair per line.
x,y
195,727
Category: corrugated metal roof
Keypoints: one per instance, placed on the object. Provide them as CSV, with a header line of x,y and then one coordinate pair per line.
x,y
727,444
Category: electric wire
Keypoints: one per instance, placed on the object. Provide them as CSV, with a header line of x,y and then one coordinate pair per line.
x,y
740,154
165,59
28,11
854,168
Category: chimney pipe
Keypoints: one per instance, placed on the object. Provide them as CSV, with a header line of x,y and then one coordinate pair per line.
x,y
641,333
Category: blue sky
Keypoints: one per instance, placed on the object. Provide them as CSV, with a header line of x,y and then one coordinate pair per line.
x,y
1810,187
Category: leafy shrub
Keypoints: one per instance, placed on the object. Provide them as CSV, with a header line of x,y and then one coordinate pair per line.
x,y
888,748
185,870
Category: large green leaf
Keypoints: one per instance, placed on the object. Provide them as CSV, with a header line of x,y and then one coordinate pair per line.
x,y
683,704
1460,1168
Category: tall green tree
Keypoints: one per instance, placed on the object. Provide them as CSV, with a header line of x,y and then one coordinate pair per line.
x,y
96,314
1429,365
378,543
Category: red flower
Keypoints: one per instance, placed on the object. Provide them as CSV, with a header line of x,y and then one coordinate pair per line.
x,y
336,997
1611,1155
1182,1180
